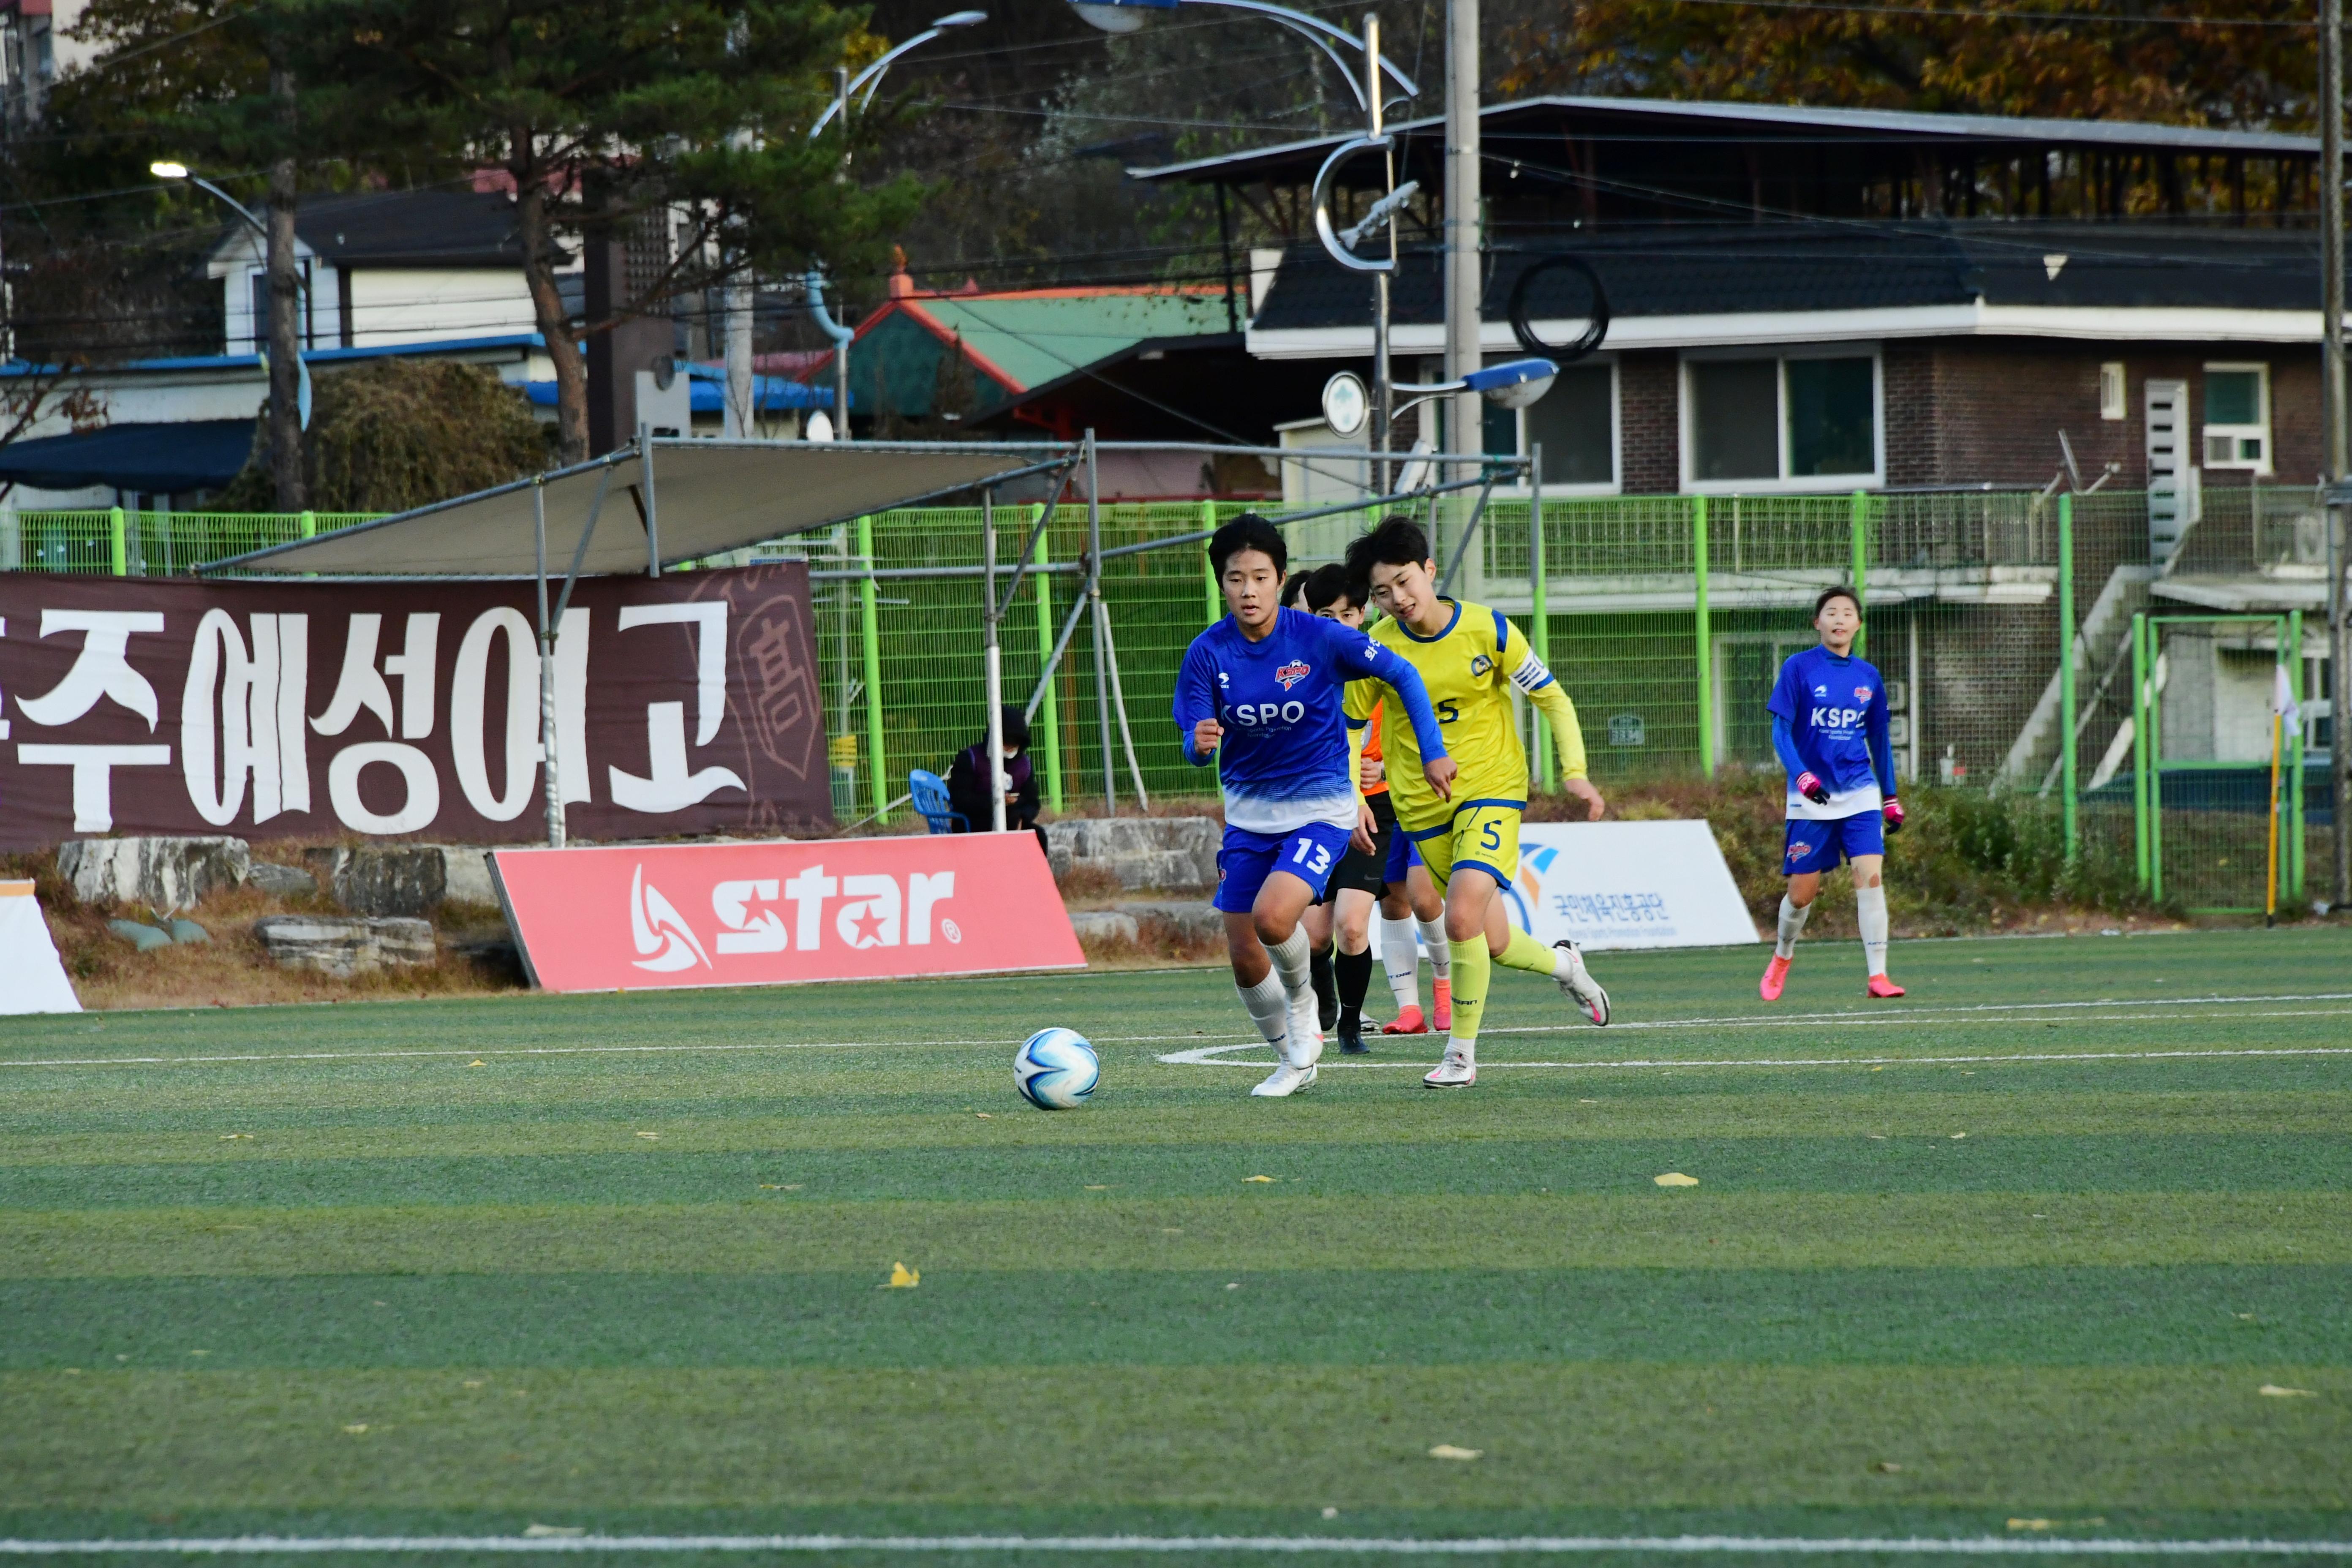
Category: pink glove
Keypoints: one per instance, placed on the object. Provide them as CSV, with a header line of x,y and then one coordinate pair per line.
x,y
1893,811
1813,789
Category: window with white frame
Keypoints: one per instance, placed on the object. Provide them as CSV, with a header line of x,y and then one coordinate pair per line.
x,y
2238,417
1788,422
1576,424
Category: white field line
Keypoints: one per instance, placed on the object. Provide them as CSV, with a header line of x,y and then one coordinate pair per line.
x,y
1219,1057
1791,1020
1289,1545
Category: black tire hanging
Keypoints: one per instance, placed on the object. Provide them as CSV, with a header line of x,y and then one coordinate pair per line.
x,y
1594,333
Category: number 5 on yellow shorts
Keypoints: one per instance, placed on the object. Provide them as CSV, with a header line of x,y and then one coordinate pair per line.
x,y
1483,835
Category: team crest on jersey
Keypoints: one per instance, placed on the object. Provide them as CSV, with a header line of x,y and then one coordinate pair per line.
x,y
1481,665
1862,694
1294,672
1800,849
1821,694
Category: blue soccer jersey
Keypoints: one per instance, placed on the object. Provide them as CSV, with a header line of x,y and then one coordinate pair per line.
x,y
1830,713
1283,763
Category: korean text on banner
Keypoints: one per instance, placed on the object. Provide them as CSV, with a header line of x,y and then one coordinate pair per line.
x,y
1627,884
32,980
303,709
777,915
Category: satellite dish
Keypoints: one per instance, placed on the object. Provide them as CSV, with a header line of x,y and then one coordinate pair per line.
x,y
1346,405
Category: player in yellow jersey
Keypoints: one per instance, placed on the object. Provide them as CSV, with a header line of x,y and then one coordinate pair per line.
x,y
1468,657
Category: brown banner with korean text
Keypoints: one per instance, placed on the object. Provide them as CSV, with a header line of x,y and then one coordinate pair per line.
x,y
317,710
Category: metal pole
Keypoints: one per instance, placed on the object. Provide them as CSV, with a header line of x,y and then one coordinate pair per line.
x,y
873,639
2332,413
1384,378
1048,728
1858,524
841,348
2141,842
2067,762
741,414
653,511
1465,277
1119,701
992,668
2295,866
1214,600
1539,624
1704,647
1094,600
546,673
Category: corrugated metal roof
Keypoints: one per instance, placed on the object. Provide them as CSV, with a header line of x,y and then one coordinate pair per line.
x,y
1782,122
1035,336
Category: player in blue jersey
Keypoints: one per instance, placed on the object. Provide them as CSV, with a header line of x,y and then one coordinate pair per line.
x,y
1829,726
1261,693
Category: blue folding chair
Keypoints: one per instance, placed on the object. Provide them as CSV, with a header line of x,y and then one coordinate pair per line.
x,y
931,792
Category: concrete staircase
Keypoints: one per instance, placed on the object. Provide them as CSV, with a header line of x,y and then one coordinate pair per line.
x,y
2104,631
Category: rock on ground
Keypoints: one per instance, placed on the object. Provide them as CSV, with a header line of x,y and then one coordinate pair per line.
x,y
281,881
344,946
165,874
402,878
1174,853
1104,925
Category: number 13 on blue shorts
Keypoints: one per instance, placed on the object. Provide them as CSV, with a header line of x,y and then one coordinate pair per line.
x,y
1247,859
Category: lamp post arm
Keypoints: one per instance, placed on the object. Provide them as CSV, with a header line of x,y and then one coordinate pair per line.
x,y
1300,21
870,78
237,206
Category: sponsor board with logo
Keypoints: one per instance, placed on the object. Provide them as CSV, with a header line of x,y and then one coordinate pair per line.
x,y
1625,884
635,917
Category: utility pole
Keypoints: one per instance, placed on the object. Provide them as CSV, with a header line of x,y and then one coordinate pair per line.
x,y
1465,277
1383,381
281,266
2332,409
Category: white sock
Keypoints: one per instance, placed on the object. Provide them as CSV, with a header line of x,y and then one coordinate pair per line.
x,y
1292,957
1269,1007
1792,926
1467,1049
1400,959
1441,950
1869,913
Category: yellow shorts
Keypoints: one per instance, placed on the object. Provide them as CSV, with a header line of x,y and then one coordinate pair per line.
x,y
1483,835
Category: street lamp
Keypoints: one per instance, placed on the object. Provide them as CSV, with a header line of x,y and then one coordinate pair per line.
x,y
845,89
1130,15
165,169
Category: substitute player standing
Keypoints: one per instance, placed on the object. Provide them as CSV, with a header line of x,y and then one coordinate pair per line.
x,y
1261,692
1829,726
1466,655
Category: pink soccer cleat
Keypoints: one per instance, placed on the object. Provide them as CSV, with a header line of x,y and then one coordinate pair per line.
x,y
1776,975
1409,1022
1881,987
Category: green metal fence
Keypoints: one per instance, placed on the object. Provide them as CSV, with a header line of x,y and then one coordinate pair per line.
x,y
1666,618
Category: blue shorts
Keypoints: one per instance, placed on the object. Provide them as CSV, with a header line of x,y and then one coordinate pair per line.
x,y
1400,857
1309,853
1822,846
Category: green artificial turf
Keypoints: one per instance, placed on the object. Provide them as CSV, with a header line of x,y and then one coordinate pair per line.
x,y
2026,1246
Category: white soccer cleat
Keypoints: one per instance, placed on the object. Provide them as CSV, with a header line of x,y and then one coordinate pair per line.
x,y
1285,1081
1580,988
1458,1070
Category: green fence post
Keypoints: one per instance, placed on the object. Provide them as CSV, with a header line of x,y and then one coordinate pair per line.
x,y
2295,758
873,635
1215,601
1540,627
2066,759
2155,766
2141,842
1706,648
118,543
1858,524
1049,720
309,525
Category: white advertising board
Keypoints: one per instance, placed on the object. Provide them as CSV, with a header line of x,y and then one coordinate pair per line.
x,y
31,978
1624,884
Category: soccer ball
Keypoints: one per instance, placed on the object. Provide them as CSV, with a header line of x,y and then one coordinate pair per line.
x,y
1056,1069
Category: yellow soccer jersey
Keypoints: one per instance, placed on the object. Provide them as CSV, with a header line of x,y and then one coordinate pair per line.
x,y
1468,669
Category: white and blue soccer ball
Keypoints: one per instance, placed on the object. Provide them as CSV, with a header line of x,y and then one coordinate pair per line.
x,y
1056,1069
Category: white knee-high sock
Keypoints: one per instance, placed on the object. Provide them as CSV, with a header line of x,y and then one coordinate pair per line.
x,y
1269,1007
1440,947
1291,956
1400,959
1792,926
1869,913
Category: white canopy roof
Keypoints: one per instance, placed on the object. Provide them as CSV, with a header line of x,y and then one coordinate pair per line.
x,y
664,499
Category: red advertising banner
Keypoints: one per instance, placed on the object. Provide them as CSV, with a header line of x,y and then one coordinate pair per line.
x,y
635,917
301,710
